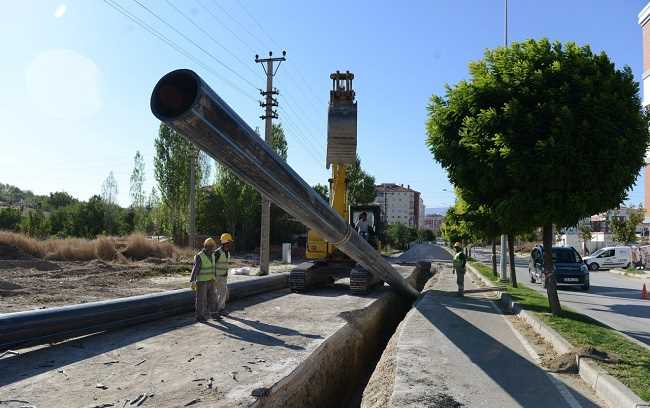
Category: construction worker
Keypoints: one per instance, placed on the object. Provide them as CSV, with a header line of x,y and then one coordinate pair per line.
x,y
203,281
362,225
459,262
222,259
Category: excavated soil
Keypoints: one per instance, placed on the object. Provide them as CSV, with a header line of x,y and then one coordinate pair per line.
x,y
31,283
568,362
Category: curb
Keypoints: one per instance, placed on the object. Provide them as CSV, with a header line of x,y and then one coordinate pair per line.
x,y
606,387
621,272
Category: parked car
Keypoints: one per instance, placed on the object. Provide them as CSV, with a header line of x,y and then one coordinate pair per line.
x,y
609,257
569,267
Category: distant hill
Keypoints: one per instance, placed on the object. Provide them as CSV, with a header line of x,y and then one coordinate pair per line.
x,y
436,210
12,195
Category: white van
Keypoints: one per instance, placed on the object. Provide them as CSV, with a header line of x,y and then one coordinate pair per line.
x,y
609,257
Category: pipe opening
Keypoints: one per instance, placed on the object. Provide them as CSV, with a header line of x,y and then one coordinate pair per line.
x,y
174,94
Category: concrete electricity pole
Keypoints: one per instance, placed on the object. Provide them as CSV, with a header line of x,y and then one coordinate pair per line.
x,y
269,115
192,203
503,258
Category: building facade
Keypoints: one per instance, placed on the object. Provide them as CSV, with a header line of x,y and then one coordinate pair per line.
x,y
433,222
400,205
644,22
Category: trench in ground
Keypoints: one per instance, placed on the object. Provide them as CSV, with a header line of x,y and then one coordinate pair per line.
x,y
336,373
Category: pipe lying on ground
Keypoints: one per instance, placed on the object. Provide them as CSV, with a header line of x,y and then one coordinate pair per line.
x,y
34,327
185,102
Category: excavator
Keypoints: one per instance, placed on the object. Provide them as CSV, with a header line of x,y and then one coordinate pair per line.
x,y
324,262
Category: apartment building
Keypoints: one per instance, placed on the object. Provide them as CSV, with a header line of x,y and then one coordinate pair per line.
x,y
400,204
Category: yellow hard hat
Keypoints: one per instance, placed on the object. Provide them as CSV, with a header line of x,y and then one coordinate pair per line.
x,y
226,237
209,242
457,245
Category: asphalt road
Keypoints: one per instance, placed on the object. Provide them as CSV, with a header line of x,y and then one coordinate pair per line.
x,y
612,299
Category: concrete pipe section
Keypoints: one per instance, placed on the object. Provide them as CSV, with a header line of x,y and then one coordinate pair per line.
x,y
185,102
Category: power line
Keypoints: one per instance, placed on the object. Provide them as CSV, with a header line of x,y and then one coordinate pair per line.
x,y
188,18
309,148
222,23
319,147
208,53
261,43
306,125
120,9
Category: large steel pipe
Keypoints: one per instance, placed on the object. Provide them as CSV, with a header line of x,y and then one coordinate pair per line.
x,y
35,327
185,102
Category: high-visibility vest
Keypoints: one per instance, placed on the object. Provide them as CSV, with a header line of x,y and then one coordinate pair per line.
x,y
206,273
459,262
221,265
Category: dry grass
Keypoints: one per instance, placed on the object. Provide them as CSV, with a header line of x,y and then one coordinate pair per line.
x,y
28,245
136,247
105,249
70,249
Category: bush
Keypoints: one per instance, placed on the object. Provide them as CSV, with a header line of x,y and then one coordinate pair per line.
x,y
35,224
10,218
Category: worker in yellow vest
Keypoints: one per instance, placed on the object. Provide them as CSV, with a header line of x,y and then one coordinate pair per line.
x,y
459,264
203,281
209,277
222,260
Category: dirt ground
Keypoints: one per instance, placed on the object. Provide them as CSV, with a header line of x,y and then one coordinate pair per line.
x,y
30,283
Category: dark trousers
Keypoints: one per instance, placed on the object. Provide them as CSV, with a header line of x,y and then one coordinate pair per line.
x,y
460,281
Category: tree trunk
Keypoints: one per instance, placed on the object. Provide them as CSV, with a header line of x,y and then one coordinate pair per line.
x,y
549,271
494,257
511,252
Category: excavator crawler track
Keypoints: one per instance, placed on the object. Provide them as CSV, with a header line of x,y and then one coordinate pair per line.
x,y
362,281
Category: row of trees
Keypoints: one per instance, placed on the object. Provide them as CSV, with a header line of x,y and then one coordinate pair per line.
x,y
519,138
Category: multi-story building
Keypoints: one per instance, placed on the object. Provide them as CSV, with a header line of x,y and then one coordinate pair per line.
x,y
400,204
433,222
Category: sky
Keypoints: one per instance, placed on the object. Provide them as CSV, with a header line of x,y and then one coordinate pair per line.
x,y
76,76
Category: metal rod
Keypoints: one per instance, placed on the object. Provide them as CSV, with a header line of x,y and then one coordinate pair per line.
x,y
34,327
186,103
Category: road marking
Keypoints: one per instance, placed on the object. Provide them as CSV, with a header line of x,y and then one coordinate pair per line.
x,y
559,385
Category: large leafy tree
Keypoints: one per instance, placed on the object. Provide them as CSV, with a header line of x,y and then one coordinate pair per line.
x,y
522,135
174,156
361,185
624,229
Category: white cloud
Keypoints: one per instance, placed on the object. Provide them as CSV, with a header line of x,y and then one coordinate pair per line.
x,y
64,84
60,10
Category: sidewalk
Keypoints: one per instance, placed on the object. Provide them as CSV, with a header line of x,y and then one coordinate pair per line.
x,y
454,352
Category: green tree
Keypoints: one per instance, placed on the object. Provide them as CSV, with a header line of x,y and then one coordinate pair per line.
x,y
520,136
426,235
361,185
172,163
10,218
624,229
35,224
323,190
584,230
60,199
137,193
279,141
399,235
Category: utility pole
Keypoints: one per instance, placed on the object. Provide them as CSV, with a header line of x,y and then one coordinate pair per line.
x,y
192,226
269,115
503,258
